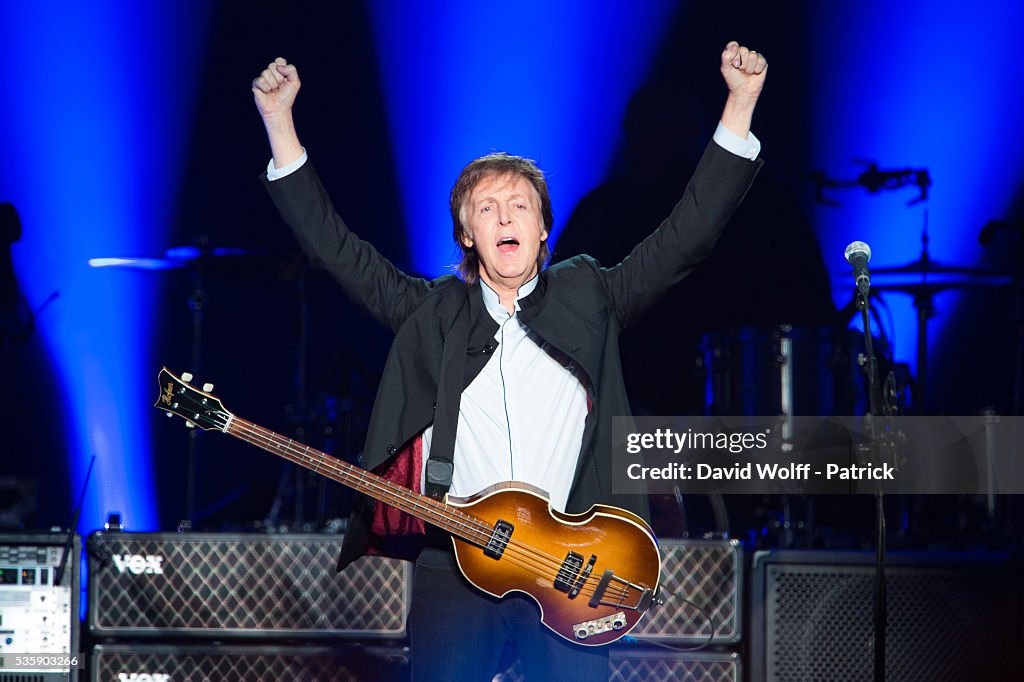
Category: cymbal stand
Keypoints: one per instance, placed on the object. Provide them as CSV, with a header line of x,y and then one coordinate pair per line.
x,y
300,412
303,418
1018,374
925,307
197,304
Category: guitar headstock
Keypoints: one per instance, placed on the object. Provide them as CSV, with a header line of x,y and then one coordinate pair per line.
x,y
199,408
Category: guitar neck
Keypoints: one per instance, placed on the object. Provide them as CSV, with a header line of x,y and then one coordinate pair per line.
x,y
445,517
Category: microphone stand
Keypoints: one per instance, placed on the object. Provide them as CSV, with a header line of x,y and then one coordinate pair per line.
x,y
871,447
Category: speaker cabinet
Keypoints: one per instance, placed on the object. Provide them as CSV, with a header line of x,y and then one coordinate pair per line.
x,y
708,573
950,617
245,586
202,663
643,666
628,663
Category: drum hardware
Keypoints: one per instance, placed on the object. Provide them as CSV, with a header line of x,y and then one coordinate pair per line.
x,y
780,371
926,266
875,180
784,359
924,293
987,237
331,417
924,279
201,261
925,270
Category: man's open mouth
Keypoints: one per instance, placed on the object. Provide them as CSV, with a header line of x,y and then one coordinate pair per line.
x,y
508,244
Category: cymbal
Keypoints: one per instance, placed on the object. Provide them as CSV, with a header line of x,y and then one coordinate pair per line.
x,y
929,288
926,266
219,261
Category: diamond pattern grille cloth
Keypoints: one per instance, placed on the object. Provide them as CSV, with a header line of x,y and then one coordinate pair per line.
x,y
643,666
278,585
668,668
228,666
706,573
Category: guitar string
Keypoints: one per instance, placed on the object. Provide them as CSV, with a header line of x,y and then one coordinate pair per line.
x,y
516,553
247,429
478,530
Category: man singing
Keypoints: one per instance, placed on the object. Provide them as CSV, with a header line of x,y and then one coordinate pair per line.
x,y
510,372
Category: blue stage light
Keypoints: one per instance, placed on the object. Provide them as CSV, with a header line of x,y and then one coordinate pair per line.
x,y
93,125
545,80
919,85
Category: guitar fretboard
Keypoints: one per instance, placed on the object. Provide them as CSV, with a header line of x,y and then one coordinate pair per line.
x,y
446,517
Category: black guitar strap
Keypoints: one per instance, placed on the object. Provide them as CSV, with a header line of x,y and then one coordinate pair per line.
x,y
446,414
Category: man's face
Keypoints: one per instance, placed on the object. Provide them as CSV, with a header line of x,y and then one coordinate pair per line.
x,y
504,225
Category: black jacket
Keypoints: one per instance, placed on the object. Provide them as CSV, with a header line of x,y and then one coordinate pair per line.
x,y
578,306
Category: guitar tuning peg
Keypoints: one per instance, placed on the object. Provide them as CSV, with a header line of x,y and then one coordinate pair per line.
x,y
169,413
207,387
186,376
190,425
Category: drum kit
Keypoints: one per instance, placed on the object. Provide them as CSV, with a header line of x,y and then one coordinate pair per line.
x,y
204,262
789,370
817,371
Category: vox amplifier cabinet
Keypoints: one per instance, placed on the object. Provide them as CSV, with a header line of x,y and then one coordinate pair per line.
x,y
627,663
241,585
252,663
707,573
950,617
38,616
644,665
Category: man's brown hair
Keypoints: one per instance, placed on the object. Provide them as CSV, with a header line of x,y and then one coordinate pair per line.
x,y
497,164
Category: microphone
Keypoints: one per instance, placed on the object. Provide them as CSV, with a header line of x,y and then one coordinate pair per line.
x,y
858,254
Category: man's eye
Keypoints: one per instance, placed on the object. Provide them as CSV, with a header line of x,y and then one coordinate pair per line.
x,y
485,209
523,206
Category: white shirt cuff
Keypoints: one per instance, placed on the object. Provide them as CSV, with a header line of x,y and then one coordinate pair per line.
x,y
730,141
278,173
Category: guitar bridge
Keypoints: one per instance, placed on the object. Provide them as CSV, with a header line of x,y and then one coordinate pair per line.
x,y
499,539
625,589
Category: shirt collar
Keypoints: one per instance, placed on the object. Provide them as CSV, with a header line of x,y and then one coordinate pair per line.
x,y
493,302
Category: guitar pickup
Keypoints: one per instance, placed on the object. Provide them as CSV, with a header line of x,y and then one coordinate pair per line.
x,y
583,577
568,571
498,541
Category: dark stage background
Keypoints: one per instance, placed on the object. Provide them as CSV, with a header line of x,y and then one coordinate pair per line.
x,y
285,349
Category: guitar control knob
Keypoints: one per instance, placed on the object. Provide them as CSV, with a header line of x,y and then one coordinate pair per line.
x,y
169,413
581,633
190,425
618,623
186,376
207,387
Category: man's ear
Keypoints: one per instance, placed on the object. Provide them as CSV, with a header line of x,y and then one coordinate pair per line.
x,y
467,241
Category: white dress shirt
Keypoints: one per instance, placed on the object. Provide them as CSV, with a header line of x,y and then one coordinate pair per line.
x,y
522,417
